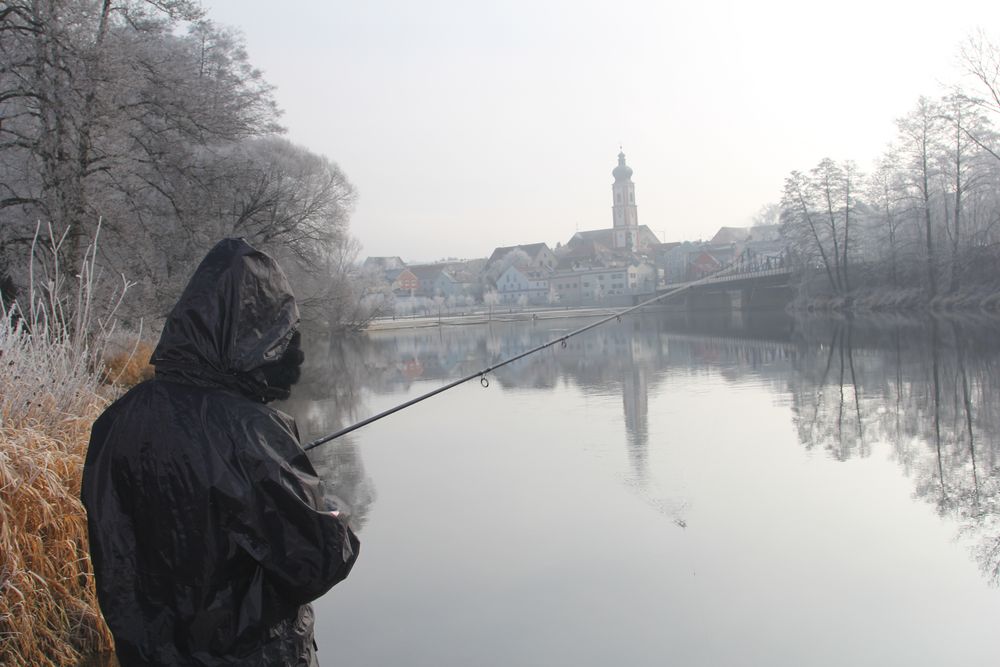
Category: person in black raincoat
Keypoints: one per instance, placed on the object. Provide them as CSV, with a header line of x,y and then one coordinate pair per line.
x,y
209,530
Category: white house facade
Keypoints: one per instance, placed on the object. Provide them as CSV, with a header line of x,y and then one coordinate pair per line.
x,y
529,282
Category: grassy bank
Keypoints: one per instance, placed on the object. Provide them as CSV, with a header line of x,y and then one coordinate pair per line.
x,y
874,299
51,390
48,610
62,361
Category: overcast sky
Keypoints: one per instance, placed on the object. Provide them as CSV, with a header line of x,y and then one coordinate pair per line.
x,y
467,125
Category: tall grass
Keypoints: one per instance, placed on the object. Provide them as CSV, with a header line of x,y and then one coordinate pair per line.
x,y
53,384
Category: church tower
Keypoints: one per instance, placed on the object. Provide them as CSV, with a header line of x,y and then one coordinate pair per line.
x,y
624,212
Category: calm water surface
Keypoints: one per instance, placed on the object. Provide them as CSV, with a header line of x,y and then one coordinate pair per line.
x,y
751,492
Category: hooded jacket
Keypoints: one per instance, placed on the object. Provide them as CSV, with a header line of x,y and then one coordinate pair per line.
x,y
209,530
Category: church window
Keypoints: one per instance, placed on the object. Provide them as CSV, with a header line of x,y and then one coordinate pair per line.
x,y
618,198
631,197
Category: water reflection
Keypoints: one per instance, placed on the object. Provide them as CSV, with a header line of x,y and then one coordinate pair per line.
x,y
919,387
328,396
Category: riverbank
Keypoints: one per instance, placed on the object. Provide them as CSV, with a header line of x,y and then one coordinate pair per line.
x,y
52,387
48,611
462,319
868,300
981,298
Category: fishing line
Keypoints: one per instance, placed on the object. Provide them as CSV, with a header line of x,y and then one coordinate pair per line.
x,y
481,374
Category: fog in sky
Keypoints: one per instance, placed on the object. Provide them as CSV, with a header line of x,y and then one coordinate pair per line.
x,y
467,125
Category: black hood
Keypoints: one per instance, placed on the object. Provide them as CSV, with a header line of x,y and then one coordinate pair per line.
x,y
236,314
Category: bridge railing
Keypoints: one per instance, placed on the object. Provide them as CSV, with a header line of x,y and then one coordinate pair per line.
x,y
733,277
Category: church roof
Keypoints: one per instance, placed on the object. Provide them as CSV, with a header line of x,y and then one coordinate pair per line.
x,y
606,237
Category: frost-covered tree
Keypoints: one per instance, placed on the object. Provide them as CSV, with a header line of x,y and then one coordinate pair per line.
x,y
144,116
95,99
515,257
919,141
884,192
980,57
815,219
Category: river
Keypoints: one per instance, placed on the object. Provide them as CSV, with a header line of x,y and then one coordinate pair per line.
x,y
724,490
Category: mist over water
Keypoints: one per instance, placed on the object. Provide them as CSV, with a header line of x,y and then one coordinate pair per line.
x,y
697,491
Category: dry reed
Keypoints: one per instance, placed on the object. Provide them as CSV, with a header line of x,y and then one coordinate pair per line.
x,y
48,608
127,367
51,390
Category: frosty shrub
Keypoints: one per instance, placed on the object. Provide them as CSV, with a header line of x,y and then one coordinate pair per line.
x,y
51,346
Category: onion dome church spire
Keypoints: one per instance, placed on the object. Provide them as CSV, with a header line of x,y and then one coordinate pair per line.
x,y
625,215
622,172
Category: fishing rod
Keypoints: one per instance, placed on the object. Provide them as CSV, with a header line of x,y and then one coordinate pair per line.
x,y
481,374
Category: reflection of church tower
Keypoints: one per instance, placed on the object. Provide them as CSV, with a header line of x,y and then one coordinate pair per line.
x,y
635,391
624,211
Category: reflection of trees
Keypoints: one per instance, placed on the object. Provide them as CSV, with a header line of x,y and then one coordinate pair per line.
x,y
827,404
923,388
333,379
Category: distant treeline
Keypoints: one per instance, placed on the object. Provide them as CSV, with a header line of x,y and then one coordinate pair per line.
x,y
924,227
144,118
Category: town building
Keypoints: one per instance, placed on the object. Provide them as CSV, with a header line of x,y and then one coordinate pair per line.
x,y
403,282
433,280
524,284
603,285
538,254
